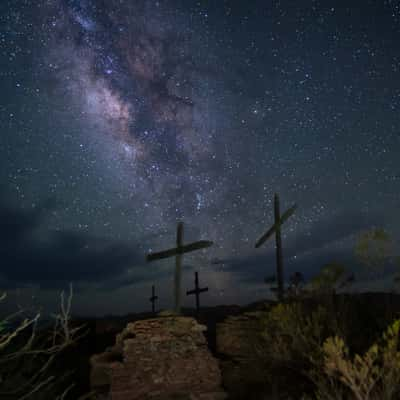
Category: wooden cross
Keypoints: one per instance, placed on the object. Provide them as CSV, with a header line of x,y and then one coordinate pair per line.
x,y
197,290
276,228
178,252
153,299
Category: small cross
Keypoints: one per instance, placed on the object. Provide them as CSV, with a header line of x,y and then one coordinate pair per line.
x,y
197,290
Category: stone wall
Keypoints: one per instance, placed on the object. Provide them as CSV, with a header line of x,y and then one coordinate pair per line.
x,y
160,358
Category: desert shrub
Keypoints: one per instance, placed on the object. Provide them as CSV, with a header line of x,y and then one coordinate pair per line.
x,y
293,335
305,345
375,375
297,339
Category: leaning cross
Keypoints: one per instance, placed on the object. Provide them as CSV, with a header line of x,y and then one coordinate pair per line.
x,y
197,290
153,299
178,252
276,228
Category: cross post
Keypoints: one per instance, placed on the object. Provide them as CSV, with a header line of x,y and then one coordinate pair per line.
x,y
178,252
153,299
197,290
276,228
178,267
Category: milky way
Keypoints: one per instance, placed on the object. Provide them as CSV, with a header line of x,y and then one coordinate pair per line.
x,y
129,116
137,74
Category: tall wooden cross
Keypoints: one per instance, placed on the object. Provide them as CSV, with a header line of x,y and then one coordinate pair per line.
x,y
197,290
153,299
178,252
276,228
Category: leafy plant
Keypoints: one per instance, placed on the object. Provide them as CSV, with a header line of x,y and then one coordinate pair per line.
x,y
375,375
302,344
293,335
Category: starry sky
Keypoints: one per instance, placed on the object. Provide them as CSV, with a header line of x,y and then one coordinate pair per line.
x,y
120,118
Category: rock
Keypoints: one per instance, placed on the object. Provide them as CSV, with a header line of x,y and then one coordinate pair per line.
x,y
100,376
159,358
167,313
238,343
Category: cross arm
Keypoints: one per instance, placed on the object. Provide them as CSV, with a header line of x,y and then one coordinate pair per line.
x,y
193,291
266,236
202,244
285,216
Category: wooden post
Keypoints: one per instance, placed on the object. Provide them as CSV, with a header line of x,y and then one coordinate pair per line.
x,y
178,267
153,299
279,255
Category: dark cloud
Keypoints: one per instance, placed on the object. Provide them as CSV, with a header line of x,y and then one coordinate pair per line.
x,y
256,269
333,228
30,255
312,251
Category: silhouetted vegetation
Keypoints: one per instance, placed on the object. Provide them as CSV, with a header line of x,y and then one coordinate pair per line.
x,y
29,355
344,349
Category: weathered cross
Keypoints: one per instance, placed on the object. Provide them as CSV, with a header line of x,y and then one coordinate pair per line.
x,y
153,299
178,252
197,290
276,228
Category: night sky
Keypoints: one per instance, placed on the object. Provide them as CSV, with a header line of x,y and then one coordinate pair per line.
x,y
120,118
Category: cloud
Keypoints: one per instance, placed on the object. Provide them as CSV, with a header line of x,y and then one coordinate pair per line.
x,y
54,258
329,240
334,228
